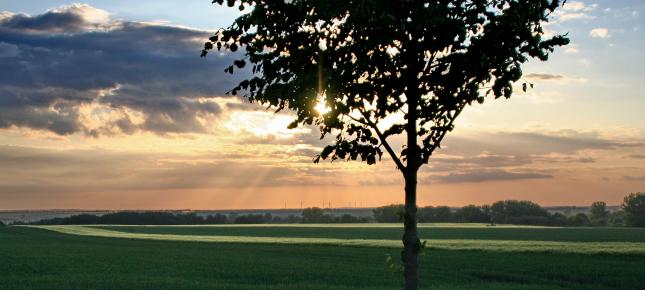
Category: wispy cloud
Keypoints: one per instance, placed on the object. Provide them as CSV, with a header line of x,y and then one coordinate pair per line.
x,y
574,10
489,175
599,33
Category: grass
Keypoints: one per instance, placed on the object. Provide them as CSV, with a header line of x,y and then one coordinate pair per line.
x,y
394,232
169,234
32,258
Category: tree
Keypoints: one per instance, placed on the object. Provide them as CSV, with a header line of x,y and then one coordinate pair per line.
x,y
315,215
382,69
634,208
472,214
518,212
599,213
388,214
579,220
442,214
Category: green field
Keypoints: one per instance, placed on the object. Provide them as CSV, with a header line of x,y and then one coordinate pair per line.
x,y
394,232
317,257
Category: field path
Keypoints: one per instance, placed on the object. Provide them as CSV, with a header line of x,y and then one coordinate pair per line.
x,y
637,248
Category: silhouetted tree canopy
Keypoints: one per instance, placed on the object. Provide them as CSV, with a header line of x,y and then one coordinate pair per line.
x,y
384,68
370,59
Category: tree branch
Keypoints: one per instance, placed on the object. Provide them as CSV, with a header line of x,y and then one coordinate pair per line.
x,y
437,143
384,142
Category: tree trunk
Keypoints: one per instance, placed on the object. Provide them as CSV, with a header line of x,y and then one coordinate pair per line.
x,y
411,243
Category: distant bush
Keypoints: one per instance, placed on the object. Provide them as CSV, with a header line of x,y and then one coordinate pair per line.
x,y
216,219
473,214
388,214
348,218
135,218
439,214
254,219
514,211
315,215
599,214
557,220
634,208
1,224
579,220
616,218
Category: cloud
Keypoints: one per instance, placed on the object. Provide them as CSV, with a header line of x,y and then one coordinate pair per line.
x,y
520,154
443,163
527,143
586,160
634,178
571,49
544,76
488,175
47,171
574,10
76,57
8,50
599,33
553,77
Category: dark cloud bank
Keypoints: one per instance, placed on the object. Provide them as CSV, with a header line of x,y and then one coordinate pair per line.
x,y
52,63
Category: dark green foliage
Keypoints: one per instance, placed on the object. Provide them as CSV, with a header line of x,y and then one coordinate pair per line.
x,y
389,213
315,215
579,220
37,259
558,220
439,214
634,208
348,218
599,214
616,218
254,219
216,219
473,214
1,224
518,212
136,218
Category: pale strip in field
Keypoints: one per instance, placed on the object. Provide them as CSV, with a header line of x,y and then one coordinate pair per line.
x,y
348,225
481,245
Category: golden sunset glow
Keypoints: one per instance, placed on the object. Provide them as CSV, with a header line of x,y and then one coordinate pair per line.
x,y
117,111
321,106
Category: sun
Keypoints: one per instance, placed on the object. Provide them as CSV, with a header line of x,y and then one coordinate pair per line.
x,y
321,107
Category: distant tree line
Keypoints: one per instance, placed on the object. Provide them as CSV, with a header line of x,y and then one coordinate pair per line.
x,y
519,212
308,215
523,212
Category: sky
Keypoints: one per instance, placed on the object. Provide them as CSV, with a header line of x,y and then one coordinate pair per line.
x,y
107,105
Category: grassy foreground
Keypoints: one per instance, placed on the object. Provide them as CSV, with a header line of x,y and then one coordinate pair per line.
x,y
262,235
32,258
394,232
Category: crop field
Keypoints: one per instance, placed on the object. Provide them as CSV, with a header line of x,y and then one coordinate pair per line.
x,y
317,257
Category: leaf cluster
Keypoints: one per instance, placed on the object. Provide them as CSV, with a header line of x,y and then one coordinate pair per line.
x,y
419,63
